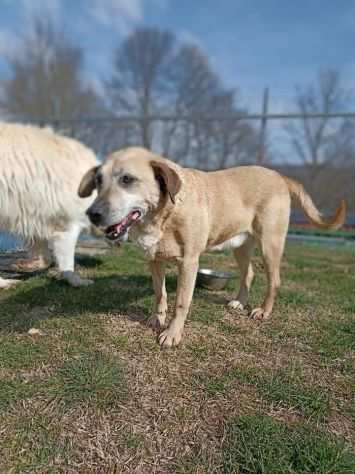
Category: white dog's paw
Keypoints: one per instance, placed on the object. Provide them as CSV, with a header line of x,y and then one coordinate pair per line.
x,y
259,314
85,282
236,304
170,337
6,284
75,280
156,321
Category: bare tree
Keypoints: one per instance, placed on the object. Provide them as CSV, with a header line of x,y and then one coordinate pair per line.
x,y
154,73
319,142
140,82
46,77
199,93
196,91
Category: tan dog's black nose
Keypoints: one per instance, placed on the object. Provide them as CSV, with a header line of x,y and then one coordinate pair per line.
x,y
94,216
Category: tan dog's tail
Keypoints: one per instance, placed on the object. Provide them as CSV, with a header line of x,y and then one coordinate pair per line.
x,y
296,189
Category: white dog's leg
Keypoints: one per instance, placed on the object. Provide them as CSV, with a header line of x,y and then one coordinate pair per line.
x,y
5,284
64,244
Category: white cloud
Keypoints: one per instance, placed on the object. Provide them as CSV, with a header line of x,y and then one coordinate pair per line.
x,y
186,36
41,8
8,43
122,14
94,82
108,12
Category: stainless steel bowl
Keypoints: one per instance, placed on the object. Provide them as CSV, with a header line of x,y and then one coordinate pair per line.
x,y
212,279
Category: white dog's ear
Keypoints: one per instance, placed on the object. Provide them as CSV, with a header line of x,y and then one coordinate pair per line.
x,y
88,183
168,179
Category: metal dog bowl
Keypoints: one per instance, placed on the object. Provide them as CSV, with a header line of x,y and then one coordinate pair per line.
x,y
212,279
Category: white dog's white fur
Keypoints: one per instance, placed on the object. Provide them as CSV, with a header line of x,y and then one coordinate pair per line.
x,y
40,172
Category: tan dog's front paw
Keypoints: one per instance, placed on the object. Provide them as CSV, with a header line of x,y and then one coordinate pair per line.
x,y
236,304
156,321
259,314
170,337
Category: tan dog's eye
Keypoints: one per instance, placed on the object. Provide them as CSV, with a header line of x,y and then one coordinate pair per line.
x,y
127,179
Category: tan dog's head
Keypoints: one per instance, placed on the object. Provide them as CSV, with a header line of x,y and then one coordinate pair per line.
x,y
130,184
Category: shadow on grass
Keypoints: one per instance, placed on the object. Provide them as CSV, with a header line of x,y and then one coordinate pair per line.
x,y
88,261
43,299
84,261
212,297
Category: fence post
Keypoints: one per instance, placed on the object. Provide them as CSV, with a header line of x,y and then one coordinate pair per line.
x,y
261,158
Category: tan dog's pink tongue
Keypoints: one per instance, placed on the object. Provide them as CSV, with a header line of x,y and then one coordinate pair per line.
x,y
121,225
131,217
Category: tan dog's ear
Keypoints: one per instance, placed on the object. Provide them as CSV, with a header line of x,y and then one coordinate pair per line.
x,y
168,179
88,184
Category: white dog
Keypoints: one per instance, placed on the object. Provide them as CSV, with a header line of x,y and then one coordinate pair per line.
x,y
40,172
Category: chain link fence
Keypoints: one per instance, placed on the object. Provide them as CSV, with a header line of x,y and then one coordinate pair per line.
x,y
288,142
210,142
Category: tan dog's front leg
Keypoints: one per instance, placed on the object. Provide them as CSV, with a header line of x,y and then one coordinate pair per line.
x,y
157,319
185,288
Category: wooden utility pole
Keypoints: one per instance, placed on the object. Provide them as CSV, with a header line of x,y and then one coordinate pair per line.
x,y
261,159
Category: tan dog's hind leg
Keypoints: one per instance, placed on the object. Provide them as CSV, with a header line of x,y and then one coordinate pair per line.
x,y
185,288
157,320
243,256
272,248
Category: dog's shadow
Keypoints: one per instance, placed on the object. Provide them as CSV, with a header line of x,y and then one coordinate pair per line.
x,y
128,295
82,261
88,261
218,298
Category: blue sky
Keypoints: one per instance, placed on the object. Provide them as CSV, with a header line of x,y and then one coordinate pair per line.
x,y
252,43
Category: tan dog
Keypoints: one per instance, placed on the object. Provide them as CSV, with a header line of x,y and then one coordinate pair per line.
x,y
176,213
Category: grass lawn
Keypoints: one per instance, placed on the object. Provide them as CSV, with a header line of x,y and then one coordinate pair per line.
x,y
95,394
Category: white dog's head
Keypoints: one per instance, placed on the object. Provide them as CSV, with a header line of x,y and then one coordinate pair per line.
x,y
130,184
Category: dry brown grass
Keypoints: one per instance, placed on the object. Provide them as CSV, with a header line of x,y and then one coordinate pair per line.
x,y
174,412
